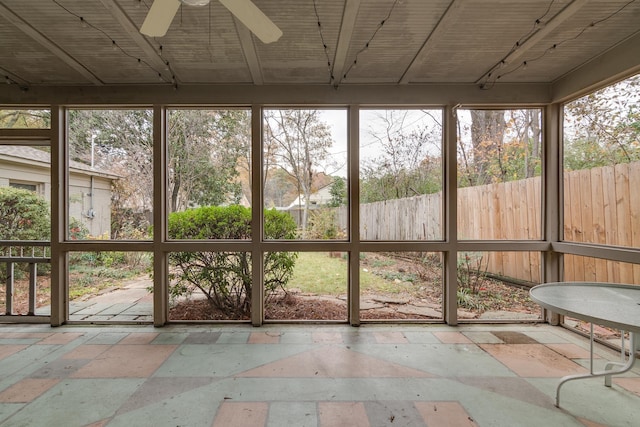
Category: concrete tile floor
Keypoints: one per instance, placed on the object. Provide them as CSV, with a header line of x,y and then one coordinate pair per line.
x,y
306,375
132,303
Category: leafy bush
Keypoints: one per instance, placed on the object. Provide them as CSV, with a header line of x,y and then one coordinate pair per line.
x,y
77,230
471,271
468,300
225,277
23,215
129,225
323,225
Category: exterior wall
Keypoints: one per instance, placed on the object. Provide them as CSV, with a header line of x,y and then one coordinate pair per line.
x,y
80,195
26,174
319,198
92,208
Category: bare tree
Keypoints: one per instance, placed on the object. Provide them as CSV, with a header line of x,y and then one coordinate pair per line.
x,y
487,133
525,137
297,141
408,155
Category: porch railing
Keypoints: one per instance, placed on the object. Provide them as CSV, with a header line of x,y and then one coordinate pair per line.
x,y
28,252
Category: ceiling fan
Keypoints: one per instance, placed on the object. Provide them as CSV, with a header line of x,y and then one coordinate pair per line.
x,y
162,12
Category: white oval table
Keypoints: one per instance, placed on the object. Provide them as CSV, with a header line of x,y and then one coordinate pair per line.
x,y
612,305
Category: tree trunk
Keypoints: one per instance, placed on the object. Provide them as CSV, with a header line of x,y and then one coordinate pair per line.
x,y
487,131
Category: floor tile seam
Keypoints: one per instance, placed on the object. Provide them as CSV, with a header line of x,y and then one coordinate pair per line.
x,y
118,313
27,405
8,419
299,329
55,381
574,359
367,406
152,374
21,342
486,352
30,369
604,355
549,402
238,378
559,354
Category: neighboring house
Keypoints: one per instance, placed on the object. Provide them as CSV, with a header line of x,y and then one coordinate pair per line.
x,y
317,199
89,188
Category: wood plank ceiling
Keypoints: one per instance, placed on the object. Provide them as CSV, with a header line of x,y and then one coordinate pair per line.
x,y
80,42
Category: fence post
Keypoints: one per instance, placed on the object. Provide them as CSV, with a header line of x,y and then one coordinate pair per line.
x,y
33,276
9,289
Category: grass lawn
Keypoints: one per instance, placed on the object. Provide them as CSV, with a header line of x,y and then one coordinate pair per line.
x,y
322,274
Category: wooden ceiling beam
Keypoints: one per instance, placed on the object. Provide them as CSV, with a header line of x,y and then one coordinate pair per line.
x,y
249,51
4,73
132,30
435,37
36,35
540,34
349,16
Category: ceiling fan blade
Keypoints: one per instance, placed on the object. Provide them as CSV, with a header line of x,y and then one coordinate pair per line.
x,y
159,18
253,18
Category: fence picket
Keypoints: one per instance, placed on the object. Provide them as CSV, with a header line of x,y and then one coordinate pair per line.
x,y
601,205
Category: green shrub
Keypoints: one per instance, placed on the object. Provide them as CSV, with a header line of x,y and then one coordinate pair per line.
x,y
323,225
471,271
77,230
225,277
23,215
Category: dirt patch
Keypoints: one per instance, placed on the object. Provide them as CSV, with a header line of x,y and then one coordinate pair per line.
x,y
21,294
417,294
293,307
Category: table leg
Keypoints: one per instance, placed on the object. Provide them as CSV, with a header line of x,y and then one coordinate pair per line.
x,y
607,373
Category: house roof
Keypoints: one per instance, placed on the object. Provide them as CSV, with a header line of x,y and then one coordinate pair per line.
x,y
34,156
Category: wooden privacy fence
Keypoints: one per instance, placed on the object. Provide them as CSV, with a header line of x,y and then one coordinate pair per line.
x,y
505,211
601,205
411,218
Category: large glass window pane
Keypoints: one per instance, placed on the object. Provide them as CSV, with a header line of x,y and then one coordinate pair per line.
x,y
305,169
306,286
110,174
25,118
210,286
110,286
602,166
401,174
401,286
495,285
499,166
25,216
209,168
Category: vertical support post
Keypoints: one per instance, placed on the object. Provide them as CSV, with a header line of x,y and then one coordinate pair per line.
x,y
59,221
552,199
9,289
33,279
353,231
257,226
160,266
450,216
